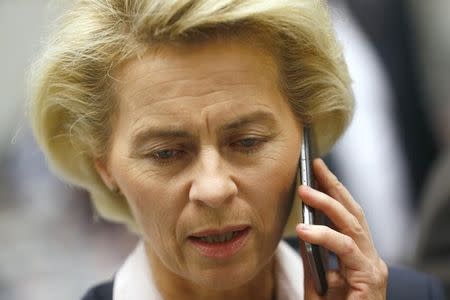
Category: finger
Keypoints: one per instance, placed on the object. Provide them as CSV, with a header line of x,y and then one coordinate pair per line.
x,y
342,245
333,209
330,184
344,221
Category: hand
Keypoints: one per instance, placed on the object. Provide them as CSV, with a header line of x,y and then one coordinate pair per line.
x,y
362,273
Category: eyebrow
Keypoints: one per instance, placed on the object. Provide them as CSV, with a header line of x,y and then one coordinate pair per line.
x,y
155,133
254,117
172,133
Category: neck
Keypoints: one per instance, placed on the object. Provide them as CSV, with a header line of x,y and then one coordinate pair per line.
x,y
172,286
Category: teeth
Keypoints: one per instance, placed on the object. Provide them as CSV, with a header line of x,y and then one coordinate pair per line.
x,y
219,238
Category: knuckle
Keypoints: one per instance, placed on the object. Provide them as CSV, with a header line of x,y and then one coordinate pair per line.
x,y
380,274
384,271
336,184
327,205
359,212
323,232
357,228
348,245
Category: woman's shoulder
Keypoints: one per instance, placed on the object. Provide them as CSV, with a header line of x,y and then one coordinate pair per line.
x,y
103,291
405,283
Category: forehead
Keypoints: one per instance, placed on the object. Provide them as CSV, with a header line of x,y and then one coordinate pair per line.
x,y
213,78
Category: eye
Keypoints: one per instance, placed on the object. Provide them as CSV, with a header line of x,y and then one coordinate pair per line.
x,y
165,156
248,145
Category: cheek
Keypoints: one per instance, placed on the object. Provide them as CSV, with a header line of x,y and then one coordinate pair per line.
x,y
280,167
271,187
153,204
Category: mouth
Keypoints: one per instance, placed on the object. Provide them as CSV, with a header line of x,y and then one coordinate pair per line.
x,y
222,243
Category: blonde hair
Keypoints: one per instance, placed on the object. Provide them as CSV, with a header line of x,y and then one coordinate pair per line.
x,y
72,97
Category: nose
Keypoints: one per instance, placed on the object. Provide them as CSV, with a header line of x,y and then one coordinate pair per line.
x,y
212,184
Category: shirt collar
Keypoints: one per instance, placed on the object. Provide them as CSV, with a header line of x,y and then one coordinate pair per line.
x,y
134,281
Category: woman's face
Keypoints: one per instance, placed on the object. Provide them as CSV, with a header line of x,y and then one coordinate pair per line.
x,y
205,149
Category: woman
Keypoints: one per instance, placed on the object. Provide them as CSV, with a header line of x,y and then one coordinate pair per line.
x,y
183,120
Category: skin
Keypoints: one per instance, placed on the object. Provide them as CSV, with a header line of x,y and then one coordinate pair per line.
x,y
362,273
203,138
214,171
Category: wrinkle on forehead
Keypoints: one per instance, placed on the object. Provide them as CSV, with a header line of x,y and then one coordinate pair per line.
x,y
149,90
196,82
194,109
170,65
206,118
213,117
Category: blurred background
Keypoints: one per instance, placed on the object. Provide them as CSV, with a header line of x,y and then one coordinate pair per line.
x,y
394,157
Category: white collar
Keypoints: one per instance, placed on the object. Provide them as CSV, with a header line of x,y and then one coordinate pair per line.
x,y
133,281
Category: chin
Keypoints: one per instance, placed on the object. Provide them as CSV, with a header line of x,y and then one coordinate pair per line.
x,y
228,277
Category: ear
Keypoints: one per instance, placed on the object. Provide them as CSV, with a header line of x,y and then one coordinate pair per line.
x,y
104,172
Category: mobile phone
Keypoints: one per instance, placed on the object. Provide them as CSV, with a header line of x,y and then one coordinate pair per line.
x,y
315,254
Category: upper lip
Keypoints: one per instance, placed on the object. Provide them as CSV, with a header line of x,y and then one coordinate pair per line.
x,y
218,231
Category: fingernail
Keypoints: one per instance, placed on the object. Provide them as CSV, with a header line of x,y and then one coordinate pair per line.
x,y
303,227
305,187
324,165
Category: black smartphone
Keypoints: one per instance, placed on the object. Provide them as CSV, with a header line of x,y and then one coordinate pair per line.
x,y
315,254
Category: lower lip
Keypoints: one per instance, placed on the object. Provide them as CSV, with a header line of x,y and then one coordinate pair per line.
x,y
221,250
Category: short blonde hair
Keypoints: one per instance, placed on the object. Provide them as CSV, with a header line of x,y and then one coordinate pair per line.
x,y
72,99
